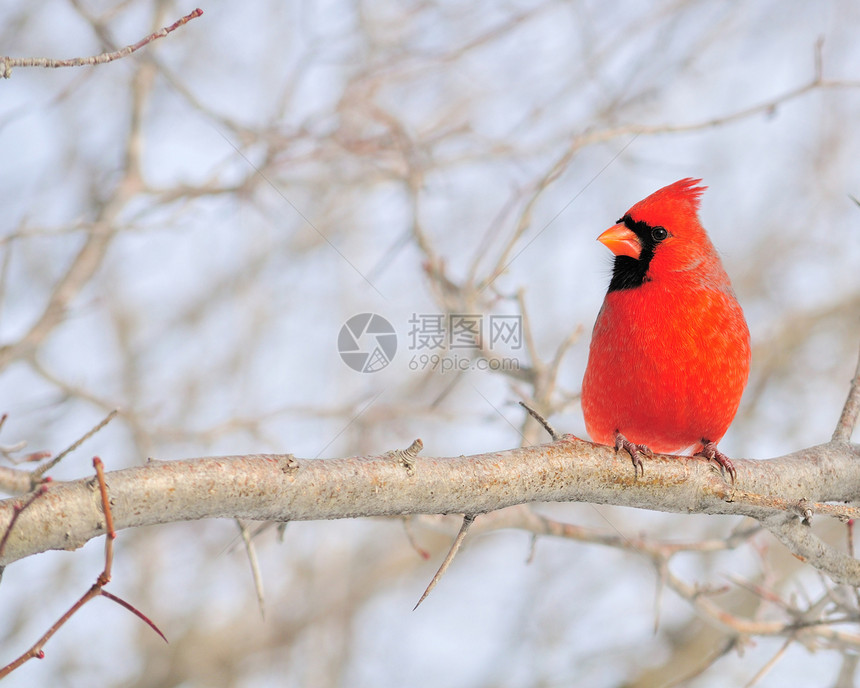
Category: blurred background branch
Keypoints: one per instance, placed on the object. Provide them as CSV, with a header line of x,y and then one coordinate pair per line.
x,y
186,231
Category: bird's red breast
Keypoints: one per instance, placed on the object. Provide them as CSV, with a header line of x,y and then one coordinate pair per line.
x,y
670,353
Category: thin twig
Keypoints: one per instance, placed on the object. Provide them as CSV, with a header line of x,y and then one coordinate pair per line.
x,y
96,590
7,63
543,421
770,663
591,137
41,470
762,593
6,451
468,520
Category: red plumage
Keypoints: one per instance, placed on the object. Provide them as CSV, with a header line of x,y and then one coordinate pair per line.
x,y
670,353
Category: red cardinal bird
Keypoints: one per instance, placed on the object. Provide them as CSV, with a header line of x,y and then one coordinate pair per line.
x,y
670,353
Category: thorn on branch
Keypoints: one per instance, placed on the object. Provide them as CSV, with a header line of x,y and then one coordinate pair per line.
x,y
139,614
468,520
251,551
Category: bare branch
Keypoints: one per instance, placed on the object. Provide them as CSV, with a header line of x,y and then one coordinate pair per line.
x,y
7,63
800,541
283,488
543,421
41,470
82,268
96,590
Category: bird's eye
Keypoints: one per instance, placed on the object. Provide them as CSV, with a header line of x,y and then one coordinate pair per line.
x,y
659,233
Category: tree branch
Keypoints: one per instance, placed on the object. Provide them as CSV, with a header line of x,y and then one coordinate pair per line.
x,y
7,63
283,488
800,541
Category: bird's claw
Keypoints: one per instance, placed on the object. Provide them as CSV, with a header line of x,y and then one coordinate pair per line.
x,y
621,442
709,451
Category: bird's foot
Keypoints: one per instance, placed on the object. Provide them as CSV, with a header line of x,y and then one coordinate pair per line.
x,y
635,450
709,451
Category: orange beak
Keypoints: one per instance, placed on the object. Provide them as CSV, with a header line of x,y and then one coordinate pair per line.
x,y
621,241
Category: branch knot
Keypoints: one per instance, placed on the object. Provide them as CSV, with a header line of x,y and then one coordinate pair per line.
x,y
407,456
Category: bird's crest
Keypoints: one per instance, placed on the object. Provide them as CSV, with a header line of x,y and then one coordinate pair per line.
x,y
665,206
682,190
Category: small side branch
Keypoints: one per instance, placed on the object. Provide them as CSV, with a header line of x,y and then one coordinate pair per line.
x,y
7,63
800,541
36,651
543,421
41,470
